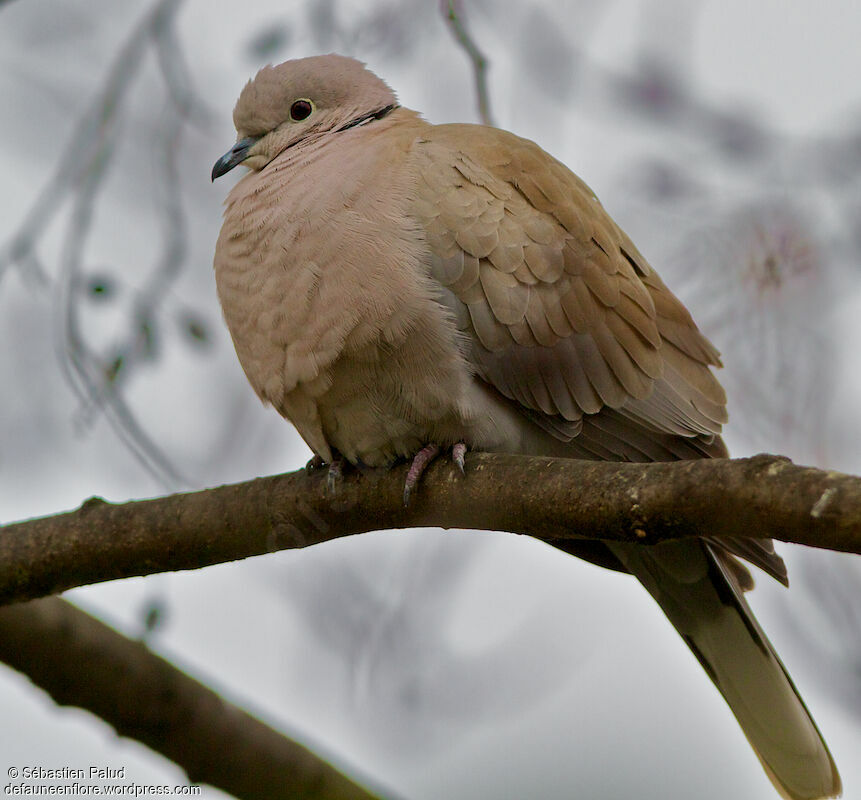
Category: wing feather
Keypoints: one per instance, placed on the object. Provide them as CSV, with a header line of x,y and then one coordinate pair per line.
x,y
561,313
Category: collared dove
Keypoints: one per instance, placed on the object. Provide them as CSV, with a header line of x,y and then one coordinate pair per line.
x,y
393,287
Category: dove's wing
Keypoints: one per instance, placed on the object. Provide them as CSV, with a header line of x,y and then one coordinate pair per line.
x,y
563,314
565,318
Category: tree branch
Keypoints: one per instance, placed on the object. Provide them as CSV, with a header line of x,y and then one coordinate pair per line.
x,y
82,662
550,499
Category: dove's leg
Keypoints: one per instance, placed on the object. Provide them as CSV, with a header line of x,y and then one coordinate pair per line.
x,y
420,463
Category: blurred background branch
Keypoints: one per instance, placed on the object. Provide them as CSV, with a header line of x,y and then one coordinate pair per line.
x,y
81,662
453,12
98,378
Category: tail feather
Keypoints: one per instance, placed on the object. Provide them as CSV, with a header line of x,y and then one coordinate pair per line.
x,y
703,600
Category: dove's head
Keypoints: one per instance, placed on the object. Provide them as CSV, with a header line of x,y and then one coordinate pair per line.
x,y
298,99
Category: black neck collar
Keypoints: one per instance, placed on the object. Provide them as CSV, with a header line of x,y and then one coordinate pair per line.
x,y
371,117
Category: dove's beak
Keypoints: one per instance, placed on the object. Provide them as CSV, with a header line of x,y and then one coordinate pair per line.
x,y
235,155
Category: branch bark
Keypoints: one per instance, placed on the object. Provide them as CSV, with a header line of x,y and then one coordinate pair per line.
x,y
82,662
550,499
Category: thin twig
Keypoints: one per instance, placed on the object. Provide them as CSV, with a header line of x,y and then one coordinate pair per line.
x,y
454,18
176,75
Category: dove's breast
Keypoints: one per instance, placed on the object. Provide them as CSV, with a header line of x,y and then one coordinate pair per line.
x,y
321,275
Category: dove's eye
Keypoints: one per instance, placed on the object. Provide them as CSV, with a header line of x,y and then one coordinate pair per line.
x,y
300,110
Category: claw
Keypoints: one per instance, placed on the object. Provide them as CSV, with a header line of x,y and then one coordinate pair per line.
x,y
333,478
458,454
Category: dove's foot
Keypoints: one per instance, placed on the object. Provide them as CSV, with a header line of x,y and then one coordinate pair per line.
x,y
333,476
315,462
423,458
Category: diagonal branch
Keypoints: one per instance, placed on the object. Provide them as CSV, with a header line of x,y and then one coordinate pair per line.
x,y
82,662
550,499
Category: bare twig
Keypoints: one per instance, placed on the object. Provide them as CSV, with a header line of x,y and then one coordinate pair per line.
x,y
82,662
96,382
765,496
174,70
91,143
454,18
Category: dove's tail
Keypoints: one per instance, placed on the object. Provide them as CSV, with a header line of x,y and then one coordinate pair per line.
x,y
705,604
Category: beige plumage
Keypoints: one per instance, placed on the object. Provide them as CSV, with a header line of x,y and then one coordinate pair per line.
x,y
391,284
